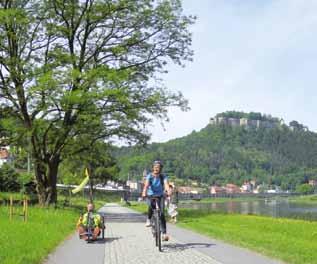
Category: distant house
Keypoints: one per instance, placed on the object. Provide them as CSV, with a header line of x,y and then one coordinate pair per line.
x,y
135,185
257,190
312,182
184,189
253,183
246,187
4,156
232,188
217,190
189,190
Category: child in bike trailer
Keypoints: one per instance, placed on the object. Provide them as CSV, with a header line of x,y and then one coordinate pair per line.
x,y
171,202
156,184
82,224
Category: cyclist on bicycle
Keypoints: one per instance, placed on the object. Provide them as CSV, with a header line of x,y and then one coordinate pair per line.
x,y
82,224
156,184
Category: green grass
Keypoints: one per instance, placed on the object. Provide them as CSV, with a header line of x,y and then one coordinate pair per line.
x,y
30,242
293,241
140,207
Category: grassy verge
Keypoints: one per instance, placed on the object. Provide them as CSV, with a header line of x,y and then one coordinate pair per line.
x,y
293,241
30,242
140,207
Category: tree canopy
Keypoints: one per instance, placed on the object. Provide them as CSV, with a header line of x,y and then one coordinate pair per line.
x,y
75,72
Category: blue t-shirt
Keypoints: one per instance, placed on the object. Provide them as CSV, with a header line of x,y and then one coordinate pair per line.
x,y
155,185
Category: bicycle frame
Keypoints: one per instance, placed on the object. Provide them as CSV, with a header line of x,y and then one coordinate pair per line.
x,y
90,224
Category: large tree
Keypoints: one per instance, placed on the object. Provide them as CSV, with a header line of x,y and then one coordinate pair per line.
x,y
74,72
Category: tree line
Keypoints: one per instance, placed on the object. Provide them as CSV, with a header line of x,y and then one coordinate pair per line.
x,y
220,154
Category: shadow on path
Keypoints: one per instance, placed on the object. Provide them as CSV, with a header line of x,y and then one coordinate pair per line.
x,y
104,240
174,247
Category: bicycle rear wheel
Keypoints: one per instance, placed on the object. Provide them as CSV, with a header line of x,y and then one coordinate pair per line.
x,y
158,232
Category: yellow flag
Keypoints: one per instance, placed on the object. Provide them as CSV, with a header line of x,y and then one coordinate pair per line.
x,y
82,184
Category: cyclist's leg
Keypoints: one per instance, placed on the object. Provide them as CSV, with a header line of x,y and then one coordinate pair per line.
x,y
96,232
82,230
149,212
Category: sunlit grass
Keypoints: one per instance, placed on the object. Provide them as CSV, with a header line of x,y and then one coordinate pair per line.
x,y
29,242
294,241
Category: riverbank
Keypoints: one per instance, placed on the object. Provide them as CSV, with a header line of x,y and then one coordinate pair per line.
x,y
309,199
293,241
30,242
225,199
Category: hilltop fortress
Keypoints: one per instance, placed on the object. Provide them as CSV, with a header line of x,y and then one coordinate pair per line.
x,y
252,120
248,123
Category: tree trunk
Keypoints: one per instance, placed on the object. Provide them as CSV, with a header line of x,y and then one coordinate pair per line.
x,y
46,179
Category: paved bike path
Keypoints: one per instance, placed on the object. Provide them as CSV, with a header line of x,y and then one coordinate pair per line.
x,y
129,241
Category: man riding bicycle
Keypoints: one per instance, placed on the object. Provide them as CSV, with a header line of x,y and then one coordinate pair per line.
x,y
82,224
156,184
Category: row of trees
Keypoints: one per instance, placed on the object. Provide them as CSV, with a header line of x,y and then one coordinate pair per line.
x,y
77,73
223,154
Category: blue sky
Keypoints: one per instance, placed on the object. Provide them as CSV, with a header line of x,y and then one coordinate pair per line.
x,y
250,55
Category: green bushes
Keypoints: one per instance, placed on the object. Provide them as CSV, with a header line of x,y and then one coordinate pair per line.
x,y
305,189
9,179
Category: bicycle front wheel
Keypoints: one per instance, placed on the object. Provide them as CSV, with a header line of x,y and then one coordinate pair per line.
x,y
158,232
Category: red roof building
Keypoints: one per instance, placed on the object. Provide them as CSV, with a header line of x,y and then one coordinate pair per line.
x,y
232,188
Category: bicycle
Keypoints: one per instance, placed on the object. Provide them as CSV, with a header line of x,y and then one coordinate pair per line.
x,y
156,222
90,226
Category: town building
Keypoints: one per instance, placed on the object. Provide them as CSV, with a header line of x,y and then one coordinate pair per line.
x,y
217,190
189,190
246,187
232,188
135,186
312,182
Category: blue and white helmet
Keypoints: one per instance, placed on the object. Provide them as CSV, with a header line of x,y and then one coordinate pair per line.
x,y
157,162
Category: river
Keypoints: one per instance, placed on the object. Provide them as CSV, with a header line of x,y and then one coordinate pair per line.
x,y
268,207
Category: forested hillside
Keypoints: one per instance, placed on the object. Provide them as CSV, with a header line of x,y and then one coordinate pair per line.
x,y
220,154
